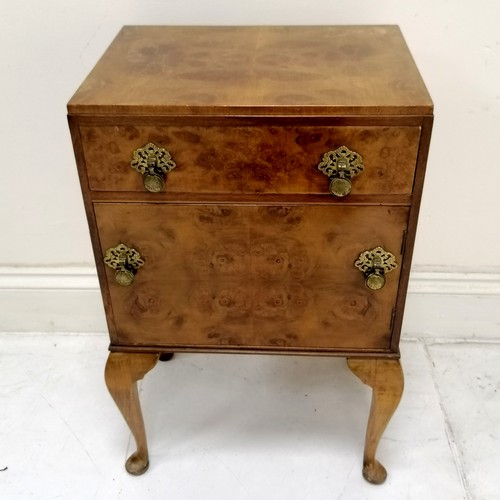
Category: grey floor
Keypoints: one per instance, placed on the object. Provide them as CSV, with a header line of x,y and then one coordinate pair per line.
x,y
245,427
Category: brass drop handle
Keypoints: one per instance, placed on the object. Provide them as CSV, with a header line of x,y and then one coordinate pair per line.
x,y
153,163
126,261
340,166
375,264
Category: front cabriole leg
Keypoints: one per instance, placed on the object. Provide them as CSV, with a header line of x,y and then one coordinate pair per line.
x,y
385,377
122,372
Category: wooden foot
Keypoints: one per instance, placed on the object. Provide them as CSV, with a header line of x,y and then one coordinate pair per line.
x,y
166,356
385,377
122,372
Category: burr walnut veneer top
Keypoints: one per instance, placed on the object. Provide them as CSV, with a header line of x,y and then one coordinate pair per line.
x,y
285,70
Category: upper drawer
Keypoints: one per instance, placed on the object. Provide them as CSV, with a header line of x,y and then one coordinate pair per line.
x,y
252,159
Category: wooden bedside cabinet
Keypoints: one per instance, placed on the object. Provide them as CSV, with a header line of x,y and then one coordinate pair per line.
x,y
254,190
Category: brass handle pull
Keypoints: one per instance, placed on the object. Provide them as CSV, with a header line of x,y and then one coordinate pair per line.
x,y
125,261
153,163
375,264
340,166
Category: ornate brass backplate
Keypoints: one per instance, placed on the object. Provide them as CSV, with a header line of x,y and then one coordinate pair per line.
x,y
374,264
340,166
153,163
126,261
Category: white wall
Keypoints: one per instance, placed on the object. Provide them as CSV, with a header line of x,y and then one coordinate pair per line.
x,y
47,48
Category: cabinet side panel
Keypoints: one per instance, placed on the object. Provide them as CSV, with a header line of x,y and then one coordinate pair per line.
x,y
94,234
412,227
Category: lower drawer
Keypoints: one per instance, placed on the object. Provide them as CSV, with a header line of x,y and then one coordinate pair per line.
x,y
258,277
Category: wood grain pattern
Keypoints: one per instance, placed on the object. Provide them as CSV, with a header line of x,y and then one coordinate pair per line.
x,y
412,226
122,372
89,211
252,276
314,70
246,251
252,159
386,379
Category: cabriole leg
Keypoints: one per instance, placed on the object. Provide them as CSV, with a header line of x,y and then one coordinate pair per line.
x,y
385,377
122,372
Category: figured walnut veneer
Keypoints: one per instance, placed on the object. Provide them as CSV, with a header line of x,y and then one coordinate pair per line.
x,y
267,277
252,159
245,250
273,70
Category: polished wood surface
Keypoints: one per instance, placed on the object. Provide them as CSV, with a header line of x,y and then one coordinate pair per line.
x,y
412,227
122,373
251,70
385,377
252,159
264,277
246,251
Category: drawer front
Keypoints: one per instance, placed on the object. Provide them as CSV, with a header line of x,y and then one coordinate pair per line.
x,y
252,159
252,276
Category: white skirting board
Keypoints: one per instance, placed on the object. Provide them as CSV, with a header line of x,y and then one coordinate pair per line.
x,y
440,305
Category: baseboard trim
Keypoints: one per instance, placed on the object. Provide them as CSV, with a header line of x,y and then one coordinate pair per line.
x,y
455,283
48,278
67,299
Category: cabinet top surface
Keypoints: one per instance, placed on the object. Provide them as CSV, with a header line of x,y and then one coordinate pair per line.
x,y
272,70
